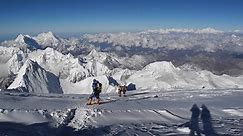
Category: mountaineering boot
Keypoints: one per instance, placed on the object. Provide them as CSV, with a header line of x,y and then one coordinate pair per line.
x,y
98,101
89,101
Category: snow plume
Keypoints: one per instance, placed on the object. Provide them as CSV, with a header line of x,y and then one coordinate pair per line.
x,y
33,78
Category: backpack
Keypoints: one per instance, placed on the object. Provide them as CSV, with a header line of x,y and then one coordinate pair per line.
x,y
99,87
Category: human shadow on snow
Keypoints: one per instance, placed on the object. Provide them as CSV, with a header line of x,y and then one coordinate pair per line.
x,y
205,117
207,122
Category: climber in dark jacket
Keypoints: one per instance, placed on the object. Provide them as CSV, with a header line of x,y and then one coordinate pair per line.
x,y
96,86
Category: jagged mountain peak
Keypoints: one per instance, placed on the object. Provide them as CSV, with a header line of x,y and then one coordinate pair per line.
x,y
31,64
33,78
19,38
97,56
22,38
47,38
25,41
93,52
104,58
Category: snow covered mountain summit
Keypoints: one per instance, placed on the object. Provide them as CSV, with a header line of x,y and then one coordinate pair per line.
x,y
23,42
47,38
33,78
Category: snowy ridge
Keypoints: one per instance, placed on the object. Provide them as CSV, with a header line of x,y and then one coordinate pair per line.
x,y
95,55
23,42
20,38
6,53
41,41
67,66
103,58
76,76
16,62
75,73
163,75
11,60
33,78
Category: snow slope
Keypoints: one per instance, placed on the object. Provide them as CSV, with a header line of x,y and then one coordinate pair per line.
x,y
164,75
140,113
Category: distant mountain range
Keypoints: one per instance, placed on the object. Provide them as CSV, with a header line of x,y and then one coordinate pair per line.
x,y
165,59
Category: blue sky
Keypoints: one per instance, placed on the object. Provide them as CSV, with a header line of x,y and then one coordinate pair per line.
x,y
91,16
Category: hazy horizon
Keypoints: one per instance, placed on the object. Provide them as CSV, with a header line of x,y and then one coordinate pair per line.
x,y
95,16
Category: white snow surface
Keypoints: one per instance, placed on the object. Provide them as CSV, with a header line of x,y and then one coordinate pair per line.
x,y
145,112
